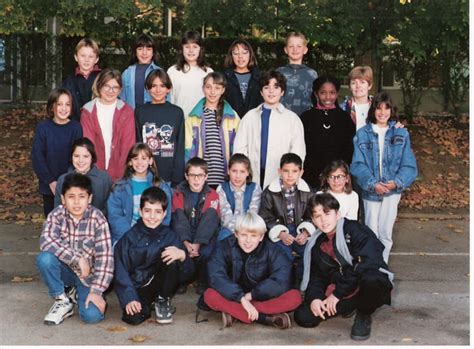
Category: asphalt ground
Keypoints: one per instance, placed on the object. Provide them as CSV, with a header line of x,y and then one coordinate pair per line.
x,y
430,301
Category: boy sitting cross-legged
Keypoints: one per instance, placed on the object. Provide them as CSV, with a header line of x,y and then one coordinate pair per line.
x,y
147,264
283,207
77,252
195,219
249,277
344,270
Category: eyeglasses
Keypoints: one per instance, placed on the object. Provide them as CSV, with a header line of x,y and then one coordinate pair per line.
x,y
109,88
337,178
196,176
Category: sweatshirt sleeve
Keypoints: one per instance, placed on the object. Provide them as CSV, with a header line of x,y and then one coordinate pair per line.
x,y
179,222
178,165
38,156
123,284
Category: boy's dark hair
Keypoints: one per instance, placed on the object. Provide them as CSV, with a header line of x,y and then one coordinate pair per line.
x,y
332,167
273,74
319,82
291,158
196,162
160,74
154,195
86,143
77,180
239,158
53,99
191,37
229,60
143,40
326,200
382,98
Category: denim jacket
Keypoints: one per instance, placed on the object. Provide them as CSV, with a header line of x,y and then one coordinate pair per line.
x,y
128,84
398,160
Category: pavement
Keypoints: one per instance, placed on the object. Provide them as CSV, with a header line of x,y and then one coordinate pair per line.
x,y
430,301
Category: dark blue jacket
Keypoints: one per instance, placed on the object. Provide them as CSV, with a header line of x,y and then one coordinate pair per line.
x,y
267,268
233,95
136,256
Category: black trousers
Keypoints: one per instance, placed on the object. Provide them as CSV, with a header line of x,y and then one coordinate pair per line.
x,y
165,282
48,204
356,187
374,291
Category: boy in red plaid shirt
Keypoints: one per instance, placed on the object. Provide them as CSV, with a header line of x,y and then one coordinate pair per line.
x,y
76,252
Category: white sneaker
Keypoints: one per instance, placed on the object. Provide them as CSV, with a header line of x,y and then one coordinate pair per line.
x,y
61,309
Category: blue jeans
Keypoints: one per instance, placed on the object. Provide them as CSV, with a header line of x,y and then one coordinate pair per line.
x,y
299,249
56,275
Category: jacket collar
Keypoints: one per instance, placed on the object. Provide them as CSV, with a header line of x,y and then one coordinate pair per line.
x,y
280,108
276,187
184,187
89,106
391,125
198,110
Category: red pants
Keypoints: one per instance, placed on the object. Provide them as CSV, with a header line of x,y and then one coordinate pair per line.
x,y
288,301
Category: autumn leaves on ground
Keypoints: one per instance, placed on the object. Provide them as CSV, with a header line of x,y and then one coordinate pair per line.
x,y
441,147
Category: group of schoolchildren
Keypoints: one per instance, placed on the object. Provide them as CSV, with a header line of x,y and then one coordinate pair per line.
x,y
240,181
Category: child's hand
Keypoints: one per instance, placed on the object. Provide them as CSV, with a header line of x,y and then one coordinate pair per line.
x,y
171,254
133,307
318,308
330,304
196,248
189,248
249,308
52,186
85,268
98,301
390,185
399,125
302,237
286,238
381,189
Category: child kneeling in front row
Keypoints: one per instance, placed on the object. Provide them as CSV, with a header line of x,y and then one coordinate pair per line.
x,y
147,263
344,270
76,251
249,277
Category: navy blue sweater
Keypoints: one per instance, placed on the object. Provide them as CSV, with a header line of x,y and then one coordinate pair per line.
x,y
51,150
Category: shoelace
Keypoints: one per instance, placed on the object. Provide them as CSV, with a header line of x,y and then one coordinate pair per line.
x,y
58,305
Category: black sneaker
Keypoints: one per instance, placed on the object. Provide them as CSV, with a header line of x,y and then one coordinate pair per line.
x,y
361,328
163,310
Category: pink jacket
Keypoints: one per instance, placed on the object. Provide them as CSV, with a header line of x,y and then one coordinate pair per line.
x,y
123,137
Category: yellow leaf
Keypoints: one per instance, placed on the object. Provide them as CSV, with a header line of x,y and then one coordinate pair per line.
x,y
138,338
116,329
21,279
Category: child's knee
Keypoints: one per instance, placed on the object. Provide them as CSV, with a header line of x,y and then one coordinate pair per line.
x,y
304,317
91,314
46,260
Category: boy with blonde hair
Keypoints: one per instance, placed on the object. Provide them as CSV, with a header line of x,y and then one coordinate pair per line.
x,y
80,82
299,77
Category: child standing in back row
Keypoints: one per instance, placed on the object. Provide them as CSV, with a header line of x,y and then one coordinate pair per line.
x,y
299,77
384,165
188,73
141,65
80,82
51,149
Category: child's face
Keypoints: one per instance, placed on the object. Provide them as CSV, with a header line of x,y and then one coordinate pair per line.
x,y
360,88
213,91
238,174
140,164
272,93
296,49
110,91
191,52
290,174
325,220
62,109
196,178
248,240
382,114
241,57
144,54
152,214
337,181
158,91
327,94
86,58
81,160
76,201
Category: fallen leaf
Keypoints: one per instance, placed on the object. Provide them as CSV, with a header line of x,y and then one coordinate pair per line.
x,y
458,231
407,339
21,279
442,238
138,338
115,329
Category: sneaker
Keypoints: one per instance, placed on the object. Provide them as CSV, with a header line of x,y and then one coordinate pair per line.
x,y
61,309
163,310
71,293
361,328
281,321
227,320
